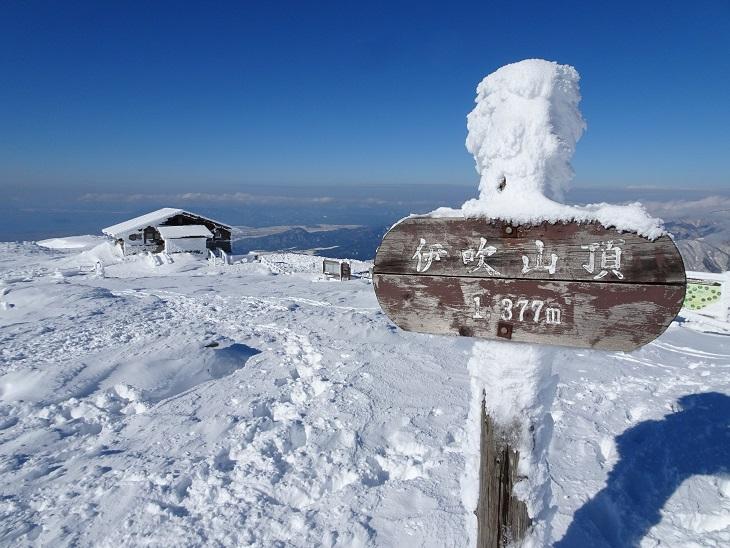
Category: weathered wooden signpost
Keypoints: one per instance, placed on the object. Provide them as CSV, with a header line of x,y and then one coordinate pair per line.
x,y
516,266
570,284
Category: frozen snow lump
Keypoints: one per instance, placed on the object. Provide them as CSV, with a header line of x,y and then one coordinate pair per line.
x,y
522,133
524,128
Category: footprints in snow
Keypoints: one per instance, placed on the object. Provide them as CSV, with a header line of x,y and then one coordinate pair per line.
x,y
293,452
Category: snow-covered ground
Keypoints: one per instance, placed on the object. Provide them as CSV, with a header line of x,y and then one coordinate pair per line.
x,y
73,242
260,404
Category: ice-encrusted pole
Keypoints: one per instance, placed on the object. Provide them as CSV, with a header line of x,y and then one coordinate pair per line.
x,y
522,134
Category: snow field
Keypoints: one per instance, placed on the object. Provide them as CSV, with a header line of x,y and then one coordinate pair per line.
x,y
76,243
162,440
235,405
657,455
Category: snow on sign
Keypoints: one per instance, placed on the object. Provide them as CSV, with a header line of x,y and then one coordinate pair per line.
x,y
571,284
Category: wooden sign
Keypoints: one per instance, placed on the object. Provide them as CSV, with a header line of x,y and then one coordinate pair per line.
x,y
569,284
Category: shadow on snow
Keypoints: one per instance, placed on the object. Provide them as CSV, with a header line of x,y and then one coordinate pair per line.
x,y
655,457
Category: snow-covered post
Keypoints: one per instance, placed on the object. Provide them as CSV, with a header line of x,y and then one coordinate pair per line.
x,y
504,267
522,134
212,258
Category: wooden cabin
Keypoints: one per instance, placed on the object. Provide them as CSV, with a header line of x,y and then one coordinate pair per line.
x,y
172,231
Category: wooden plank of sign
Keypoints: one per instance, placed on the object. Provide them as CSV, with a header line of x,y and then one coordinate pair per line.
x,y
643,261
578,298
581,314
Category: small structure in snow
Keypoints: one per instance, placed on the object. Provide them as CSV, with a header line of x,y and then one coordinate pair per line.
x,y
170,230
335,268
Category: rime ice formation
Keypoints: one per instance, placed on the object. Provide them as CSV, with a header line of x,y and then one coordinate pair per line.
x,y
524,128
523,133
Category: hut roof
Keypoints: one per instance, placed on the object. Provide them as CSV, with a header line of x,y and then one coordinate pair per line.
x,y
154,218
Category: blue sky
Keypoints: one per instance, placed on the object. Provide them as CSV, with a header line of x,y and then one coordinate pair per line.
x,y
180,95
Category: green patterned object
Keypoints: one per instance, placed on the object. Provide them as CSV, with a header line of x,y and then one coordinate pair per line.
x,y
699,295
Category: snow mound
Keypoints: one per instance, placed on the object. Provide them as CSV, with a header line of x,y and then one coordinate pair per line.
x,y
106,252
173,371
72,242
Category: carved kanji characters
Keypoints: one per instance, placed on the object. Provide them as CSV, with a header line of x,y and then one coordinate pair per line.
x,y
425,258
550,268
468,256
610,259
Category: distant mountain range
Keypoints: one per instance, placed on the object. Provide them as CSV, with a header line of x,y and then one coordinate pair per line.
x,y
352,242
701,231
704,247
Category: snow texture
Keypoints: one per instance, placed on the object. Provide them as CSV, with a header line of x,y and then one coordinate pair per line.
x,y
74,242
520,211
148,219
524,129
260,404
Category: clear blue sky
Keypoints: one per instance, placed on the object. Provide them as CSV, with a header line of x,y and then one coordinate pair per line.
x,y
180,95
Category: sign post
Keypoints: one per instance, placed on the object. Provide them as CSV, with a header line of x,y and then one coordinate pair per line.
x,y
515,265
571,284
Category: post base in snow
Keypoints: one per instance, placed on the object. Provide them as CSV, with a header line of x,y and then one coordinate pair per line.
x,y
501,518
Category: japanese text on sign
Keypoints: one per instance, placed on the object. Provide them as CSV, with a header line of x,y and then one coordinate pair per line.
x,y
602,258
